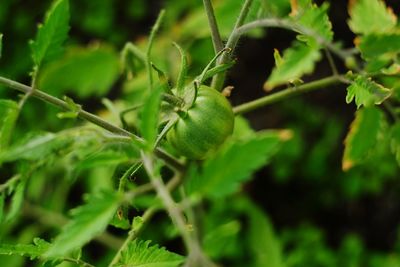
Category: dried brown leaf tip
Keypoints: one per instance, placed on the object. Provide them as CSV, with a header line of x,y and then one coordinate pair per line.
x,y
295,8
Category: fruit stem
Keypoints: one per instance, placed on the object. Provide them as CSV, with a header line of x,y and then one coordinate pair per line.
x,y
173,100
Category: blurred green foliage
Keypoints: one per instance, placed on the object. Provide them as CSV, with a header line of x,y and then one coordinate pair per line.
x,y
90,69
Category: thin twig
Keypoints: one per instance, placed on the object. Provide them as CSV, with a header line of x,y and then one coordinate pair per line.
x,y
290,25
212,22
153,33
33,86
288,92
331,62
168,159
146,217
219,79
10,182
196,256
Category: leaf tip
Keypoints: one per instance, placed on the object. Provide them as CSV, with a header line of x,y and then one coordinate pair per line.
x,y
347,164
285,135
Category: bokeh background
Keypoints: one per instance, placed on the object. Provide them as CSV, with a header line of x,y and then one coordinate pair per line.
x,y
322,215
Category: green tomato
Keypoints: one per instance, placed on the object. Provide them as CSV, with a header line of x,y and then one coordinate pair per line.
x,y
204,127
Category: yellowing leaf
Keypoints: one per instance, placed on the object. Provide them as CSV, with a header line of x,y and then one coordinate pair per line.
x,y
362,136
371,16
378,45
296,61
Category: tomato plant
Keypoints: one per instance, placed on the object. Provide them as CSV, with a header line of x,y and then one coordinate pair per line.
x,y
205,141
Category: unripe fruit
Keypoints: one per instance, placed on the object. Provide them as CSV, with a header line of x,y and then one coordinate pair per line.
x,y
204,127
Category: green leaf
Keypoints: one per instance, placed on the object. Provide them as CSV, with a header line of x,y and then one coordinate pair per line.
x,y
366,92
33,251
371,16
16,201
264,245
395,141
52,34
298,60
8,115
35,148
120,220
214,181
87,221
180,83
217,241
378,45
140,253
362,136
150,117
79,141
82,71
316,19
103,158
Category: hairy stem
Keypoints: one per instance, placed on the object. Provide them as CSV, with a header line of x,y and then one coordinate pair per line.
x,y
168,159
288,92
163,194
219,79
196,257
289,25
153,33
212,22
146,217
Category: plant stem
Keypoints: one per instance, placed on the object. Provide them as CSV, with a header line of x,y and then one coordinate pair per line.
x,y
196,256
163,194
153,33
134,50
10,182
212,22
289,25
288,92
146,217
33,86
219,79
331,62
173,100
168,159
